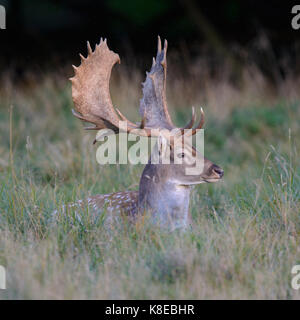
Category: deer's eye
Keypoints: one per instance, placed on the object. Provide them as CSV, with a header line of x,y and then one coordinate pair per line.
x,y
181,155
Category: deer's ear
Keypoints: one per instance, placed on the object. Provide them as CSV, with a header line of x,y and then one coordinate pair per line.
x,y
162,144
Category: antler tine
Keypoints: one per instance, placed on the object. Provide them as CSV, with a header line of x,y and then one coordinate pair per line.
x,y
201,122
92,128
164,61
125,119
165,46
77,115
90,51
143,122
158,44
80,117
199,126
153,62
192,121
82,57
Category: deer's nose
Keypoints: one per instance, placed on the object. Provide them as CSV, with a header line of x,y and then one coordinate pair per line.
x,y
218,170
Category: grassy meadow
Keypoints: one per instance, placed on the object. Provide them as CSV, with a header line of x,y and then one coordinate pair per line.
x,y
246,235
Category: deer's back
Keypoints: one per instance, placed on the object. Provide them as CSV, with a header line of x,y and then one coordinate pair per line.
x,y
115,205
125,202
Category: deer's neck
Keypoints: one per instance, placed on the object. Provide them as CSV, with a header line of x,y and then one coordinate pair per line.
x,y
166,202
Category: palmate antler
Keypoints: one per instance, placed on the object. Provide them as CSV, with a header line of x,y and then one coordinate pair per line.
x,y
90,89
92,101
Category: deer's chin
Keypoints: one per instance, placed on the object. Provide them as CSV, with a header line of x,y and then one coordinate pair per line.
x,y
188,184
206,180
212,180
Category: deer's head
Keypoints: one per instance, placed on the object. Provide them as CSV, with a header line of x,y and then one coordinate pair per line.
x,y
91,96
181,163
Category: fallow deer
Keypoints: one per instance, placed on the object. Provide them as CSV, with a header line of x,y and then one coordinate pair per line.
x,y
164,189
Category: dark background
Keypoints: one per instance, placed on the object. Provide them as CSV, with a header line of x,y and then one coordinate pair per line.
x,y
43,34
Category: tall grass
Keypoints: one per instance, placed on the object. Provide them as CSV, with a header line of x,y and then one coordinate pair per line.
x,y
245,238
